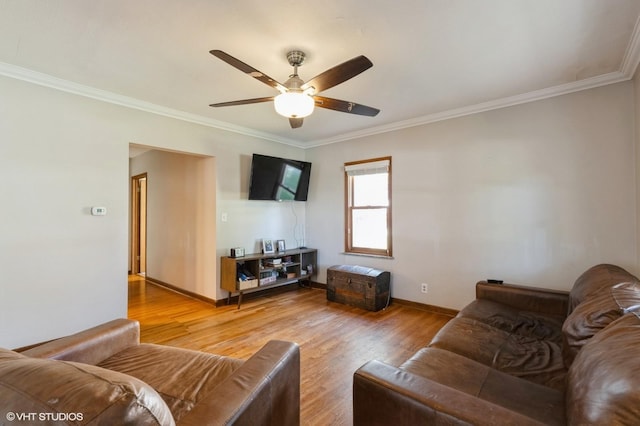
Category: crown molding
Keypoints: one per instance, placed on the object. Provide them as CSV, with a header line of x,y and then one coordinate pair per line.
x,y
626,72
632,54
536,95
46,80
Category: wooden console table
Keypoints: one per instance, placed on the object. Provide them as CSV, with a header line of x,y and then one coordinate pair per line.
x,y
257,271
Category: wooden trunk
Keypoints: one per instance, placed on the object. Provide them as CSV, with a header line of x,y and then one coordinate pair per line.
x,y
359,286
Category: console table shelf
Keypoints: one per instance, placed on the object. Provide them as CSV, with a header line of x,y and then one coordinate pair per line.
x,y
259,271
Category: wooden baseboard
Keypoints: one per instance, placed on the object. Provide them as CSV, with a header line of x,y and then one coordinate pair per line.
x,y
318,285
180,290
425,307
289,287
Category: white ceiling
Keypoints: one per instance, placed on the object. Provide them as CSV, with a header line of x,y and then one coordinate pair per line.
x,y
433,59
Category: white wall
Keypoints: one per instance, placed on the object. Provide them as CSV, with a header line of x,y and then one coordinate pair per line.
x,y
58,263
62,270
532,194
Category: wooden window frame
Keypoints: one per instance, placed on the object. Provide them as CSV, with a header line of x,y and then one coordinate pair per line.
x,y
348,193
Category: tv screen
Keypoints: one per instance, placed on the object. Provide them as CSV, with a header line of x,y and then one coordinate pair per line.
x,y
280,179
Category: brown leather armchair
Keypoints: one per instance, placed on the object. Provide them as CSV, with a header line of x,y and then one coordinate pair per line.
x,y
105,375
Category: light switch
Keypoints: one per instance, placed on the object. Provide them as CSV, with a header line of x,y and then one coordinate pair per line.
x,y
223,217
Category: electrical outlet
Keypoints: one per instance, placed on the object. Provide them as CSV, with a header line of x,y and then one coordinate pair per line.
x,y
424,288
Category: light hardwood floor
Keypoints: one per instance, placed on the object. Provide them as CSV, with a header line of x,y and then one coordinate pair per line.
x,y
334,339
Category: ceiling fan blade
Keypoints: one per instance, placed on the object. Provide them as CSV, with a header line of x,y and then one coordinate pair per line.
x,y
296,122
242,102
344,106
338,74
248,69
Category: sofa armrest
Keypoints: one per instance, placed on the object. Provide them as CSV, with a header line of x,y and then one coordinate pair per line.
x,y
544,301
265,390
92,345
386,395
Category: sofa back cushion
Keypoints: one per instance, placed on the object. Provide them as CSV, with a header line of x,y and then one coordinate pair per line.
x,y
596,279
61,392
603,383
596,313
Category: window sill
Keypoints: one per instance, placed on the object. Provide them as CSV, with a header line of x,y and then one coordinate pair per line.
x,y
379,256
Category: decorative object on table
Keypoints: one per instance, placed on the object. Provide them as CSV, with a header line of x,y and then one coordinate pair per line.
x,y
267,246
237,252
281,246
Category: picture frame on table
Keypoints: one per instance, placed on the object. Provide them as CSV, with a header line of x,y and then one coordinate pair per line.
x,y
267,246
281,246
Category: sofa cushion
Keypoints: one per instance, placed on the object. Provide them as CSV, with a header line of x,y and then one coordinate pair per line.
x,y
595,313
603,383
182,377
595,279
525,356
463,374
61,392
516,321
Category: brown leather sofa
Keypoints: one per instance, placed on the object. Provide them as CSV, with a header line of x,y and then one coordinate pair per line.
x,y
105,376
520,356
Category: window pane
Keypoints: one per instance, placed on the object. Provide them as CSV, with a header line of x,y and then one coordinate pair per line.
x,y
291,178
370,190
370,228
283,194
288,183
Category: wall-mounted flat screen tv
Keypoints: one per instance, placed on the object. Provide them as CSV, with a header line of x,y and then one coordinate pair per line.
x,y
279,179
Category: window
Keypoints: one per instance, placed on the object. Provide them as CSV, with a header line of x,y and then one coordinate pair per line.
x,y
368,206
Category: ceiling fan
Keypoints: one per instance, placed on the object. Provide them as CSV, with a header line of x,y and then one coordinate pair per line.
x,y
297,98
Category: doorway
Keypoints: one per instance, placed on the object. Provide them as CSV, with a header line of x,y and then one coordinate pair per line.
x,y
139,224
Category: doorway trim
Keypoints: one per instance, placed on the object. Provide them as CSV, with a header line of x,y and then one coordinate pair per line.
x,y
138,223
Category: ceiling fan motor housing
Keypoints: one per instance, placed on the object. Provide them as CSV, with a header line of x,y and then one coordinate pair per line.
x,y
296,58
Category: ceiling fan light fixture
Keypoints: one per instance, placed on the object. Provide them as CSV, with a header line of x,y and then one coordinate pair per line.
x,y
297,99
294,104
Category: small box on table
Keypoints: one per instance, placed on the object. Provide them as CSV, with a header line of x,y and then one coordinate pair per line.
x,y
245,284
